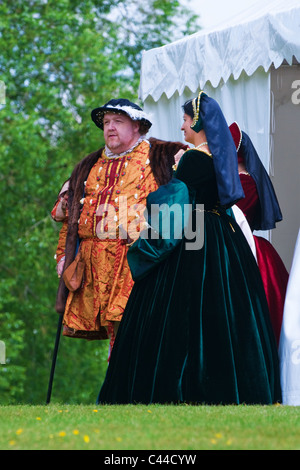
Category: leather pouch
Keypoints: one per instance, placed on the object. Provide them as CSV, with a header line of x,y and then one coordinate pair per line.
x,y
73,274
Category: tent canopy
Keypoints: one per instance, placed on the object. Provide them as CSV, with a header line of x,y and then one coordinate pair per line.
x,y
262,35
250,65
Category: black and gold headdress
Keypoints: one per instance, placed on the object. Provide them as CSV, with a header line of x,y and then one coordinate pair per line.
x,y
197,124
207,115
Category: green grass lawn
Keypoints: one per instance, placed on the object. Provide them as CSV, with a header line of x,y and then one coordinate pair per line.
x,y
153,427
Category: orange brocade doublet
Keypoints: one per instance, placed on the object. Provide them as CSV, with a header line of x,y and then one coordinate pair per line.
x,y
115,193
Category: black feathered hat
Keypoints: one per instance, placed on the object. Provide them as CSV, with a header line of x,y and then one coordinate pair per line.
x,y
122,106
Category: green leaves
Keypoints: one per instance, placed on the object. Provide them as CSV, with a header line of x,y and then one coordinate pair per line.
x,y
58,60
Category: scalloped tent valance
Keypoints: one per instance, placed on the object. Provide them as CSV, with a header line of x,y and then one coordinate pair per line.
x,y
263,35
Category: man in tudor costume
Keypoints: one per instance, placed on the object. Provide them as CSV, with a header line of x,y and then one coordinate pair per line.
x,y
95,279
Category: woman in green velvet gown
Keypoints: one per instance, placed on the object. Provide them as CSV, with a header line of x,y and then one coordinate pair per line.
x,y
196,328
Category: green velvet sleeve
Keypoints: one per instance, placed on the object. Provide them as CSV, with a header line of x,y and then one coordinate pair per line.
x,y
167,216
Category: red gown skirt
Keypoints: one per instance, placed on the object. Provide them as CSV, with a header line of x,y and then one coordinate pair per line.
x,y
275,278
273,271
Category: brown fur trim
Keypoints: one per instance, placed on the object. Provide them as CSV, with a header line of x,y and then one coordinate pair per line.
x,y
161,158
75,193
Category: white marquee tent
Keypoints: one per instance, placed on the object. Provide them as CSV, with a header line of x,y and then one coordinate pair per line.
x,y
251,66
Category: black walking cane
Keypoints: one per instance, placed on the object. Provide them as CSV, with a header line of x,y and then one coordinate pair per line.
x,y
58,334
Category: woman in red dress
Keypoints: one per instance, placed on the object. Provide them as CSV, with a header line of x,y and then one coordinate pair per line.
x,y
262,211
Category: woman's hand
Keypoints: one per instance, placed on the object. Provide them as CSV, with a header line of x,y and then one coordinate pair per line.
x,y
60,266
178,156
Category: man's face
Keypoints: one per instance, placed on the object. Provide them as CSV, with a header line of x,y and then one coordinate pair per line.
x,y
120,132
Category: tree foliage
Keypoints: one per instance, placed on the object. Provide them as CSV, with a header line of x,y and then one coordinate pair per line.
x,y
58,60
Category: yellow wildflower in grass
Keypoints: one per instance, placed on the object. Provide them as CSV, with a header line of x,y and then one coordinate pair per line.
x,y
95,411
119,439
218,436
19,431
76,432
62,434
12,443
86,438
38,418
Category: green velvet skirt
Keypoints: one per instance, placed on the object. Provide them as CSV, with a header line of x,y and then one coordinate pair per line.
x,y
197,329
